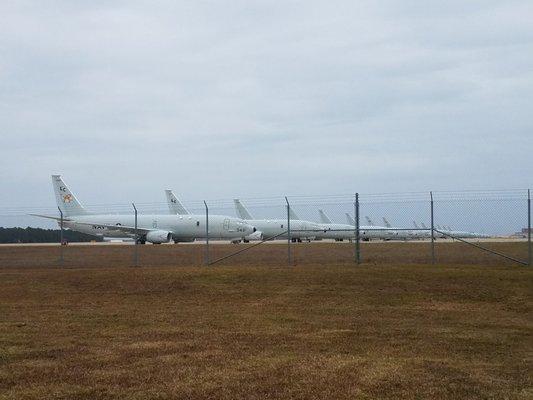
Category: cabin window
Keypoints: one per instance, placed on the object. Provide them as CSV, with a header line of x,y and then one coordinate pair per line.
x,y
281,226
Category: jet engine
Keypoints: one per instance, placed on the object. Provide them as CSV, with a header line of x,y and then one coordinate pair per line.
x,y
158,237
257,235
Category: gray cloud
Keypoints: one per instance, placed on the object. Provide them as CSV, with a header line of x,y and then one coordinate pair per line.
x,y
254,99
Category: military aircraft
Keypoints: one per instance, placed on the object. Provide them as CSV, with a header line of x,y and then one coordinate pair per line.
x,y
339,232
176,207
156,228
387,232
277,228
370,231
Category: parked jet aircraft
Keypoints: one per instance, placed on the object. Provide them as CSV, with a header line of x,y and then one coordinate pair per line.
x,y
176,207
300,229
451,233
387,232
150,228
447,232
370,231
339,232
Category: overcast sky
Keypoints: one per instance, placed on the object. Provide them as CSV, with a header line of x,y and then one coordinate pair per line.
x,y
218,99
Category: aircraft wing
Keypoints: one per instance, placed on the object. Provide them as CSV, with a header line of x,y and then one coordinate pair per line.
x,y
122,228
49,217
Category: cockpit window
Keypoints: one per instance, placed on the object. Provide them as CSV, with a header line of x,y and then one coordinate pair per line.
x,y
197,223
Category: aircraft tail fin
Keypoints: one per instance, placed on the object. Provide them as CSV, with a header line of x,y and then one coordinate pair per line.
x,y
65,199
174,205
415,225
350,220
323,217
423,225
241,210
292,214
369,221
387,223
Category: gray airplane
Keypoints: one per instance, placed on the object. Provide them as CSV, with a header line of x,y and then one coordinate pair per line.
x,y
300,229
387,232
339,232
156,229
370,231
176,207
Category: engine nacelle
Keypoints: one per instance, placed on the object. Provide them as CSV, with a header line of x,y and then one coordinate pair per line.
x,y
158,237
257,235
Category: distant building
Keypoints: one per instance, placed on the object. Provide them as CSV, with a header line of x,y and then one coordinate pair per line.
x,y
522,233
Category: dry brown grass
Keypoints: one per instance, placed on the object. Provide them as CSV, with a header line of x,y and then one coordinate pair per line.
x,y
185,255
267,331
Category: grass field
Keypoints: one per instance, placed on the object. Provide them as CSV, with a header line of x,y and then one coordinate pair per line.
x,y
381,330
186,255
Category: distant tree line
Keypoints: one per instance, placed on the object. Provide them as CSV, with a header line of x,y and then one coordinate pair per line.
x,y
38,235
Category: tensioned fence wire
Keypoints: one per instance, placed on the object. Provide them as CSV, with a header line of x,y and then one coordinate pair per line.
x,y
402,209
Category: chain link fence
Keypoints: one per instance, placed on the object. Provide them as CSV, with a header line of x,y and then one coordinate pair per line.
x,y
466,227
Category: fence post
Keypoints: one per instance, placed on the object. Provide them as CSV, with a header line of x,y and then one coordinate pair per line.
x,y
61,237
206,234
432,230
289,239
136,250
357,230
529,226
